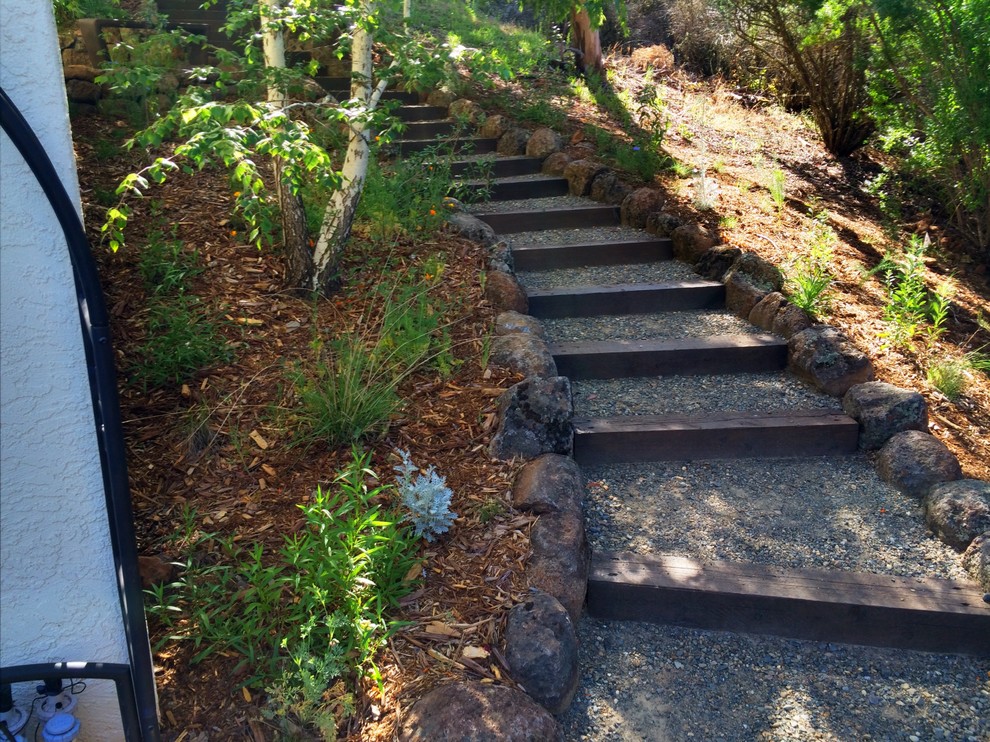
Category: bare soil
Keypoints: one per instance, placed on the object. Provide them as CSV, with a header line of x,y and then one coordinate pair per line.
x,y
244,489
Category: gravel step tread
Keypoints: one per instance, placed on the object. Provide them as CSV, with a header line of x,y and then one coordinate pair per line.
x,y
534,204
656,326
662,271
669,395
819,512
578,236
668,684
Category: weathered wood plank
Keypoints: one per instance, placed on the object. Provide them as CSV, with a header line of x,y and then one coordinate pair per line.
x,y
877,610
501,167
509,189
619,252
571,218
723,435
721,354
420,113
475,145
428,129
634,298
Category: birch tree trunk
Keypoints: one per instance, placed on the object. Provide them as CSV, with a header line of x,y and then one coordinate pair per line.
x,y
339,215
586,38
295,237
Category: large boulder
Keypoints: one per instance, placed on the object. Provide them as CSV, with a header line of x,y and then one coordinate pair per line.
x,y
477,712
440,98
505,293
541,648
535,417
790,320
524,354
471,227
500,256
766,309
639,205
715,262
959,511
549,484
495,126
691,241
828,359
466,110
663,224
748,282
82,91
509,323
543,143
976,560
882,410
513,142
579,174
556,163
913,462
608,188
561,559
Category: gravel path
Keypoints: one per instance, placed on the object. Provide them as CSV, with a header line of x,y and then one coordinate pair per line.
x,y
661,271
827,513
659,326
578,236
663,395
667,684
531,204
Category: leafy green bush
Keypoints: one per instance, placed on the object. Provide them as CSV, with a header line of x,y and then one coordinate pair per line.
x,y
929,88
810,276
911,308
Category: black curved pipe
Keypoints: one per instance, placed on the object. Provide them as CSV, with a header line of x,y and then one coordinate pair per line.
x,y
95,326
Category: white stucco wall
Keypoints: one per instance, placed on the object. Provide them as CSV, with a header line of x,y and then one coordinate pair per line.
x,y
58,595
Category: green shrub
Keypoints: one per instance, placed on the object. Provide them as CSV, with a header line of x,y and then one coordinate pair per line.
x,y
810,276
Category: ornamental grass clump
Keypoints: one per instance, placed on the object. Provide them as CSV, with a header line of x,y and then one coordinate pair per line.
x,y
427,498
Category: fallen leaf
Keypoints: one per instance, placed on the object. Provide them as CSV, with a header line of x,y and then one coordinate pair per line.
x,y
258,439
247,693
441,629
476,653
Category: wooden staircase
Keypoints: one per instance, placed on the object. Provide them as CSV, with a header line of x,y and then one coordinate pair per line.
x,y
858,608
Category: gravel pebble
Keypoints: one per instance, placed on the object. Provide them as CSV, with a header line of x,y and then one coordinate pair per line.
x,y
657,272
667,395
664,683
659,326
827,513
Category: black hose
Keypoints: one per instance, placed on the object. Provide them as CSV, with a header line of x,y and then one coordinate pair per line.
x,y
95,324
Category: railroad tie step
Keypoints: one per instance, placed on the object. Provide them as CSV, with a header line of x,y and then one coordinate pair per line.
x,y
925,614
721,354
633,298
417,112
428,129
567,218
477,145
720,435
509,189
340,88
587,254
501,167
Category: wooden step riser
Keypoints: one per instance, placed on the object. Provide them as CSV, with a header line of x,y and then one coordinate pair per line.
x,y
551,304
872,610
528,221
500,168
502,191
748,436
726,360
428,130
420,113
340,88
473,146
539,257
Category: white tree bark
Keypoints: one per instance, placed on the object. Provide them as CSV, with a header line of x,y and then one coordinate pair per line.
x,y
339,215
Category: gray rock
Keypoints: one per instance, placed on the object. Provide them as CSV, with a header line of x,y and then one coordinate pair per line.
x,y
561,559
790,320
958,511
543,143
639,205
715,262
914,462
976,560
663,224
82,91
541,648
556,163
549,484
495,126
500,257
441,98
466,110
534,418
579,174
882,410
608,188
760,272
742,293
509,323
471,227
477,712
155,570
80,72
505,293
524,354
828,359
691,241
513,142
765,311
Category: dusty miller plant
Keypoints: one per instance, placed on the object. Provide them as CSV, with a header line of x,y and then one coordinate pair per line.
x,y
427,497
